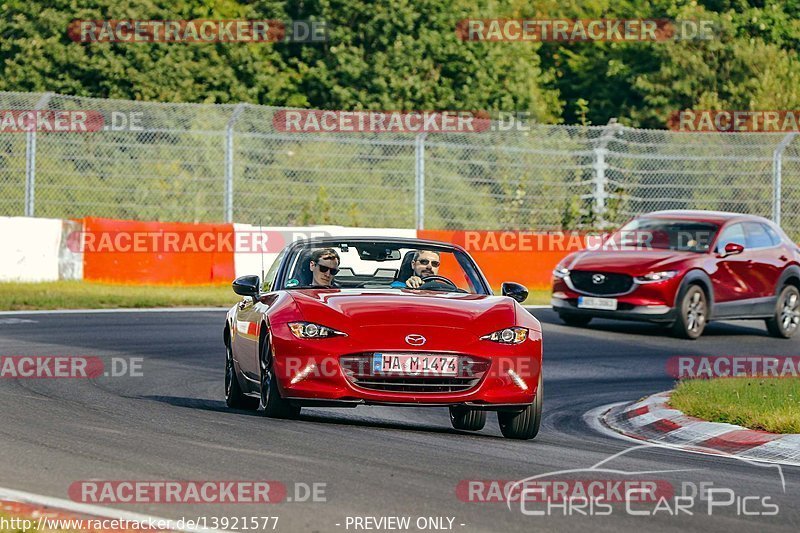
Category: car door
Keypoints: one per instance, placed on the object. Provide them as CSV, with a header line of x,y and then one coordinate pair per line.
x,y
250,314
731,279
764,263
244,338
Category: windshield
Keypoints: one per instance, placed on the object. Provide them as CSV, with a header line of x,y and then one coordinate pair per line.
x,y
665,234
381,265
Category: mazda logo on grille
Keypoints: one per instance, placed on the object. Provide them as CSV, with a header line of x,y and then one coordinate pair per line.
x,y
597,279
415,340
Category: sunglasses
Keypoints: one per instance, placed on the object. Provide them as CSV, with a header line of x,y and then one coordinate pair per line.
x,y
424,262
324,269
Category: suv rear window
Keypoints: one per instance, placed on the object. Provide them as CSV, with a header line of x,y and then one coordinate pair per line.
x,y
776,239
757,236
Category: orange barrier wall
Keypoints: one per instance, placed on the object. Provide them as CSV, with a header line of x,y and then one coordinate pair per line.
x,y
523,257
202,255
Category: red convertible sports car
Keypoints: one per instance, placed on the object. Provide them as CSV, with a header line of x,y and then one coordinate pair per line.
x,y
683,269
342,322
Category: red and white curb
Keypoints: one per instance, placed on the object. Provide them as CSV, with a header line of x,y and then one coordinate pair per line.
x,y
652,420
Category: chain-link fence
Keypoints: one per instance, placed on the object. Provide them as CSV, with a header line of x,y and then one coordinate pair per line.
x,y
195,162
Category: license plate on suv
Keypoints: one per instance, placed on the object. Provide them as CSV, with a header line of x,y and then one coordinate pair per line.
x,y
402,364
588,302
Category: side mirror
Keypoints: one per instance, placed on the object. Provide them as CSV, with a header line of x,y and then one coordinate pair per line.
x,y
515,291
732,248
247,286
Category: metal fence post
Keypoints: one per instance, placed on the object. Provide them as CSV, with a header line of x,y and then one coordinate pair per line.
x,y
777,170
229,162
30,161
599,166
419,174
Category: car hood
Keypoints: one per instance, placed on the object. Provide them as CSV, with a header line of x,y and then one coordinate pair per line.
x,y
333,307
632,262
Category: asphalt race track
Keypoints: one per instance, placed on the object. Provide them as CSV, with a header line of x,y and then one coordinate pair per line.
x,y
172,424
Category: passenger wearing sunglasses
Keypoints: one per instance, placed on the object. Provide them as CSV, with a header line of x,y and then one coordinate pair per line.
x,y
425,263
324,266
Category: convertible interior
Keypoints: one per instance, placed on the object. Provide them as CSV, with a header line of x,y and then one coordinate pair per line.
x,y
380,278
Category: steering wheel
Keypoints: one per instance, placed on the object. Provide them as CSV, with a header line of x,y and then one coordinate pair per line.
x,y
434,279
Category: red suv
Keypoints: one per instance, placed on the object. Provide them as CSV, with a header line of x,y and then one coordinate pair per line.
x,y
682,269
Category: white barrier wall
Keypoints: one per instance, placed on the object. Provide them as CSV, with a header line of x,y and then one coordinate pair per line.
x,y
70,256
30,248
247,260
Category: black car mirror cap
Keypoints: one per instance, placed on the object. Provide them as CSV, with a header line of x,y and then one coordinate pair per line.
x,y
514,290
247,286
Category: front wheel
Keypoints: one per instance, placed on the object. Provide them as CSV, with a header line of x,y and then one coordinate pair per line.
x,y
523,424
787,313
270,402
692,313
467,419
234,398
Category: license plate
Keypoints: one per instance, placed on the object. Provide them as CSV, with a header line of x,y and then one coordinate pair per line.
x,y
587,302
415,364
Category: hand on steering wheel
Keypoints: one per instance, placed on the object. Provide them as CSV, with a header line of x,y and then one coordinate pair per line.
x,y
434,279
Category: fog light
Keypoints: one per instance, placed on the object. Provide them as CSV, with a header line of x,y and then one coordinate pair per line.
x,y
517,380
303,374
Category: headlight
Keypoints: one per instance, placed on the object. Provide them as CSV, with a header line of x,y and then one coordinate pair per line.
x,y
309,330
657,276
561,272
507,336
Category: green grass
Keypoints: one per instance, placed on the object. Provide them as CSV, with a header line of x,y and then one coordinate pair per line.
x,y
769,404
86,295
537,297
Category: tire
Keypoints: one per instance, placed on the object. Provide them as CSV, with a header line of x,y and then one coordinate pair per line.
x,y
234,398
577,321
692,312
467,419
523,425
786,321
270,403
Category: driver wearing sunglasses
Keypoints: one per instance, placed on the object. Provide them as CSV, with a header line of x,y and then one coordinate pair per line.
x,y
425,263
324,266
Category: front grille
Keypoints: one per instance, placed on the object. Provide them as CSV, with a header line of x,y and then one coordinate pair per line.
x,y
358,369
612,284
